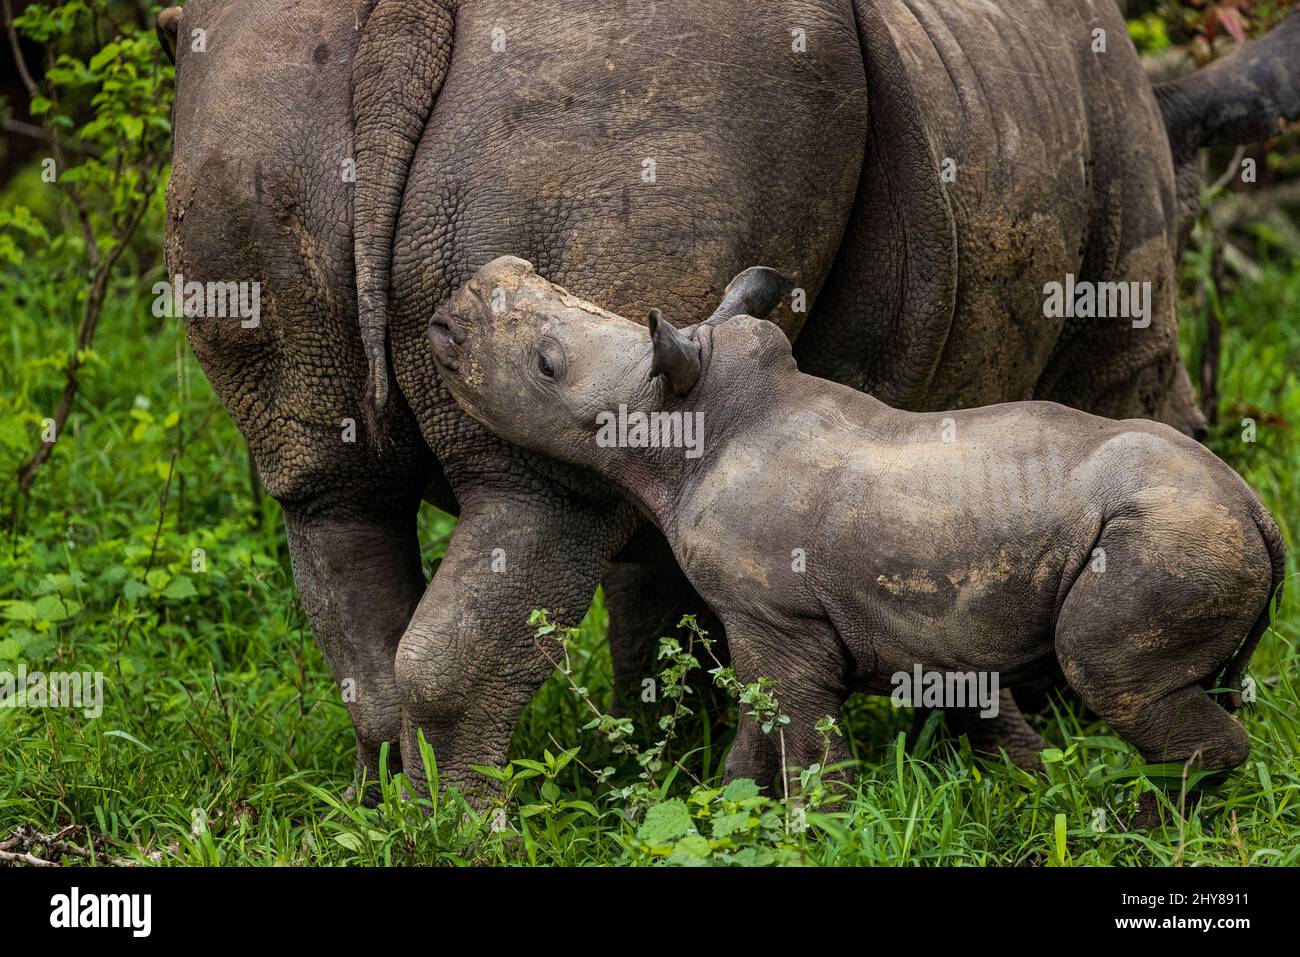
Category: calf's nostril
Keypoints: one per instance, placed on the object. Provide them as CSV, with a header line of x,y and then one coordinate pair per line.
x,y
445,348
441,324
439,328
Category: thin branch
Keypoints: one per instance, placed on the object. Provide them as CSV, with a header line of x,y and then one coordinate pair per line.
x,y
162,513
1230,173
27,840
34,132
25,858
85,336
20,61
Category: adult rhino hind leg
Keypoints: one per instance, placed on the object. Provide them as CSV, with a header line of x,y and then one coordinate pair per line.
x,y
469,662
359,579
256,196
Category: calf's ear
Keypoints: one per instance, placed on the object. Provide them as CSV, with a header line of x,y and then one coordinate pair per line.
x,y
754,292
167,26
676,356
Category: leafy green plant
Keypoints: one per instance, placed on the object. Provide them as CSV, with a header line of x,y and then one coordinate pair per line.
x,y
734,824
105,175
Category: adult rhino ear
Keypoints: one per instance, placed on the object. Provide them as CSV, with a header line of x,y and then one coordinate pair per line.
x,y
167,26
754,292
676,356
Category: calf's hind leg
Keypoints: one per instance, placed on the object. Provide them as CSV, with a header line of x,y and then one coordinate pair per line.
x,y
469,661
1007,730
1139,640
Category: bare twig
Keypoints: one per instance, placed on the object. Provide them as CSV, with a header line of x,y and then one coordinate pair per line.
x,y
1230,171
24,858
34,132
20,61
162,513
28,840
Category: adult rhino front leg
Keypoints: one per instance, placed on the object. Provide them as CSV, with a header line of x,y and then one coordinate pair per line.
x,y
469,662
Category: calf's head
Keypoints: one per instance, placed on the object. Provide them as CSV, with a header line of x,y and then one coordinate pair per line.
x,y
539,366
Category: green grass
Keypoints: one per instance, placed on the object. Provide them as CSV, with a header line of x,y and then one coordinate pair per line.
x,y
217,700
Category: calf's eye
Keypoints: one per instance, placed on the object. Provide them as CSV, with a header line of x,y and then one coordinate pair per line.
x,y
544,366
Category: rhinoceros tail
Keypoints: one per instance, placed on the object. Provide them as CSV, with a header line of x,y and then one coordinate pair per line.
x,y
1242,98
1235,669
400,65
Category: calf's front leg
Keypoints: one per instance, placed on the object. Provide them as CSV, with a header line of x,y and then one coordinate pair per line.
x,y
808,670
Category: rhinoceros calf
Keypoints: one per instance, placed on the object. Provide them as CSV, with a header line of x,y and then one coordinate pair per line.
x,y
843,542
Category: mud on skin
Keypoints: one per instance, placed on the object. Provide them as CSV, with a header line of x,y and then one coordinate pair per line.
x,y
821,163
956,541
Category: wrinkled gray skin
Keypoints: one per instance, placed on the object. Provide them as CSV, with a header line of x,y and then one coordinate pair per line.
x,y
821,163
1002,539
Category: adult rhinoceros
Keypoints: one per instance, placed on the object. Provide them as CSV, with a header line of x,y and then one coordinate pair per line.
x,y
921,168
